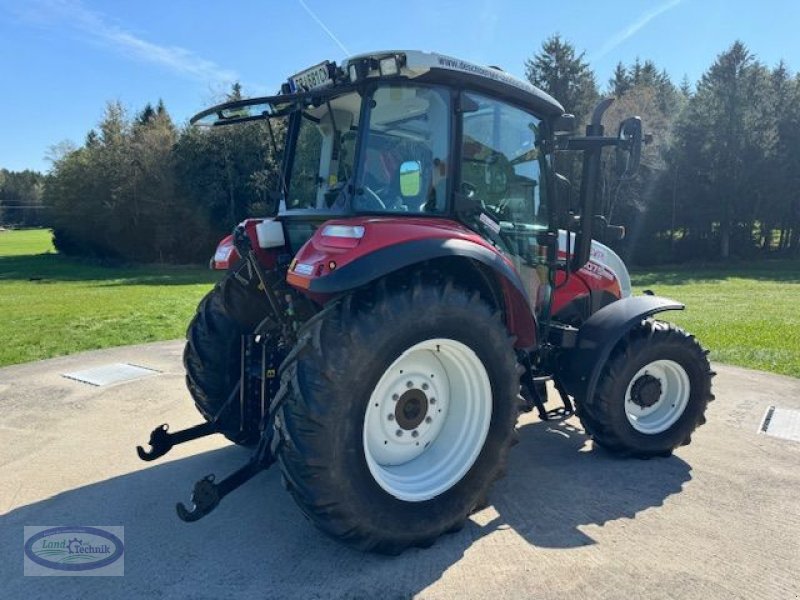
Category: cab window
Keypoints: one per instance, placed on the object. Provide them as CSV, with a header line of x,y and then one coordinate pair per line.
x,y
406,152
502,162
503,171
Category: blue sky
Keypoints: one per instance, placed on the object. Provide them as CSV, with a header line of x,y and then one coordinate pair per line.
x,y
61,60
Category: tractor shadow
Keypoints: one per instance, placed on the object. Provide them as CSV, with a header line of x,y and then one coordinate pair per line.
x,y
258,544
558,481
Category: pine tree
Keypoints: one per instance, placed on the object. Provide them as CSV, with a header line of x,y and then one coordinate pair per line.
x,y
146,115
685,86
620,82
561,72
782,210
729,136
235,93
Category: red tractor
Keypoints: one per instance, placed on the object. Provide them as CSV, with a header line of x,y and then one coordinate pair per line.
x,y
422,280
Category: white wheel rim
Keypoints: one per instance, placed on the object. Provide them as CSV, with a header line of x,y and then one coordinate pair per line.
x,y
427,419
659,414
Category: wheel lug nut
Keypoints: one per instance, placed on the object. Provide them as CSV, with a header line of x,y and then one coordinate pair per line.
x,y
399,433
415,433
424,386
395,397
409,384
428,419
432,400
390,417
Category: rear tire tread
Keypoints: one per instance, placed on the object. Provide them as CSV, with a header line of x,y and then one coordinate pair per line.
x,y
353,322
211,356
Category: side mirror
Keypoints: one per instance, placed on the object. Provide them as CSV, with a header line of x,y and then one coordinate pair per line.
x,y
563,128
607,233
565,124
468,190
629,148
410,178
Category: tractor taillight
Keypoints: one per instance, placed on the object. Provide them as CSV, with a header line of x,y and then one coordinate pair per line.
x,y
225,255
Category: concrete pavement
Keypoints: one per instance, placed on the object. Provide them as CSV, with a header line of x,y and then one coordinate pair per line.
x,y
720,519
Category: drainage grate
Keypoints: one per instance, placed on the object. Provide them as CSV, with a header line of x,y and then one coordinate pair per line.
x,y
108,374
781,423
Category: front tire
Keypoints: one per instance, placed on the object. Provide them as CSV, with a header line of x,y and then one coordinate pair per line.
x,y
652,394
396,415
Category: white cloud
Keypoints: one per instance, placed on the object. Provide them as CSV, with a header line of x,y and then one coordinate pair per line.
x,y
621,36
95,27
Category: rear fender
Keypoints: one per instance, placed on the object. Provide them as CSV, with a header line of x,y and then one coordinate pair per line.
x,y
315,276
599,335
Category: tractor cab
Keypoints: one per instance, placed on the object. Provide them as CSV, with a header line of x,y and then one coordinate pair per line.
x,y
402,135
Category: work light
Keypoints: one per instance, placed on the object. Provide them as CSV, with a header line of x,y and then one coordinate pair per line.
x,y
389,66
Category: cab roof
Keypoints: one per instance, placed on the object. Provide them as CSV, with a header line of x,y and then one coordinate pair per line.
x,y
405,64
434,67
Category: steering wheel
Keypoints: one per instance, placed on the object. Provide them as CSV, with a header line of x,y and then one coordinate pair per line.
x,y
470,190
371,200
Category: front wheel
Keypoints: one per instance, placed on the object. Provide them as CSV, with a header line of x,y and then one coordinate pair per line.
x,y
652,393
397,414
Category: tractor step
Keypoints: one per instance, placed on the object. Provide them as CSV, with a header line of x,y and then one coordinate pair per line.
x,y
535,400
162,441
565,399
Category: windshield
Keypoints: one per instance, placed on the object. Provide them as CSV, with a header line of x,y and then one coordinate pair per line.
x,y
402,163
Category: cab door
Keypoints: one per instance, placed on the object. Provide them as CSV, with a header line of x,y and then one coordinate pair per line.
x,y
504,168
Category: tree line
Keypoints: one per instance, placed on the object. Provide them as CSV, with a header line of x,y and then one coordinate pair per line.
x,y
142,189
21,198
719,179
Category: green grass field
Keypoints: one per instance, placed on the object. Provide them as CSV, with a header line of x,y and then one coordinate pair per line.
x,y
52,305
746,314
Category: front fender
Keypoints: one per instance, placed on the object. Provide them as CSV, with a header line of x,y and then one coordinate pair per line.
x,y
598,336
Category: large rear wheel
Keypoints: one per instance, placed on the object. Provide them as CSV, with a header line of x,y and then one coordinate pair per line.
x,y
396,415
